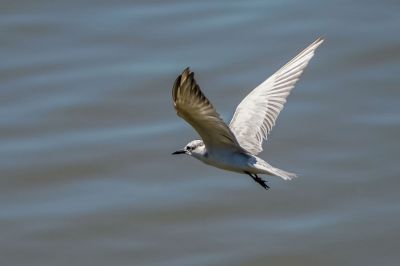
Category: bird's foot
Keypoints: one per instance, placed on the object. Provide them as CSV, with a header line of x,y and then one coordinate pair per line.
x,y
259,180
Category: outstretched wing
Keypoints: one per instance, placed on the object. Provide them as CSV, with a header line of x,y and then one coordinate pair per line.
x,y
256,114
191,104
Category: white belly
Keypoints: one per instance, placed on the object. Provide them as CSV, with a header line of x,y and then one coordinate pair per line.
x,y
235,162
241,162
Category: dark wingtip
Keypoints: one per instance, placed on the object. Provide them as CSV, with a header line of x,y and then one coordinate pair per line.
x,y
175,87
186,73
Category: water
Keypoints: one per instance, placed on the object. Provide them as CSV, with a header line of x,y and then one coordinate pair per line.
x,y
87,128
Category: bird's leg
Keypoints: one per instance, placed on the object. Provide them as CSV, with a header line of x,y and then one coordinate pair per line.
x,y
259,180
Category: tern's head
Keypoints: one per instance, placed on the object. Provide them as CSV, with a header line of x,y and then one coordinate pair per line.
x,y
195,147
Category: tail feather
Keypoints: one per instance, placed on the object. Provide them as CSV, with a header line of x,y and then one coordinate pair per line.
x,y
282,174
268,169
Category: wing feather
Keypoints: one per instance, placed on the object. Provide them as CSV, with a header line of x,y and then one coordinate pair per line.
x,y
256,115
194,107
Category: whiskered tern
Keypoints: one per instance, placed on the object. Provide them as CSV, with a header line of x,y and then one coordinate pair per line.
x,y
234,147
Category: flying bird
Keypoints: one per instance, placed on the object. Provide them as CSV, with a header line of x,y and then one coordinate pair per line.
x,y
235,147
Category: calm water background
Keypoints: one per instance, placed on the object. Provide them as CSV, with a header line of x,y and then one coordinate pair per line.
x,y
87,128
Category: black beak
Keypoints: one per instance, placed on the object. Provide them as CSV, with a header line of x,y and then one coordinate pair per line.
x,y
179,152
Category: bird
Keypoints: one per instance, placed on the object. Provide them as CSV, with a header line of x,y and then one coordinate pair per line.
x,y
235,147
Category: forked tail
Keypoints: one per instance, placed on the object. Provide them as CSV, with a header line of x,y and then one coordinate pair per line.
x,y
270,170
281,173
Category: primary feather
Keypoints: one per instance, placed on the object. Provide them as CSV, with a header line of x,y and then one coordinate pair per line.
x,y
193,106
256,114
